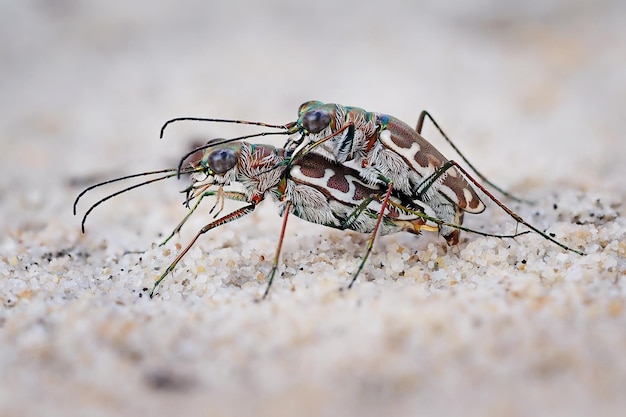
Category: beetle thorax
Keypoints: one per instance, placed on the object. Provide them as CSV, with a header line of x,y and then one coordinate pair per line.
x,y
260,169
350,144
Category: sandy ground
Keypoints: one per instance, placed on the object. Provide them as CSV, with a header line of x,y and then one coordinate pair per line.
x,y
535,96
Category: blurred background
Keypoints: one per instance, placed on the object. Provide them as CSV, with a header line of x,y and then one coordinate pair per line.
x,y
533,92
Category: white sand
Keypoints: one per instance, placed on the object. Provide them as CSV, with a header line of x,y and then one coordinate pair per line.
x,y
533,94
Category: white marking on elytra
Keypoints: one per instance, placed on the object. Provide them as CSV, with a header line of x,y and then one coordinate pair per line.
x,y
425,171
448,192
468,195
322,183
407,153
385,136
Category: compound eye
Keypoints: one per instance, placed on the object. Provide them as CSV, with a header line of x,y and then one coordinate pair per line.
x,y
222,160
309,105
314,121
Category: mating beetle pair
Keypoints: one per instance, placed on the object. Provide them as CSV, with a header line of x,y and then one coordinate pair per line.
x,y
341,167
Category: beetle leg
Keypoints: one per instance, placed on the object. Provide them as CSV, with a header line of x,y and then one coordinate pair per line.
x,y
420,124
278,249
237,214
370,243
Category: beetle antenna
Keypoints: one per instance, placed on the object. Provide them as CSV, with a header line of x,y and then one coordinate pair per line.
x,y
82,223
204,119
126,177
171,173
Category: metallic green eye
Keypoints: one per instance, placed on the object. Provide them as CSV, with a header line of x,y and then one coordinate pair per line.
x,y
314,121
222,160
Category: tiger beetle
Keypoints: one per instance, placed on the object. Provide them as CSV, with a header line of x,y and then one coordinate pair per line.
x,y
387,151
308,185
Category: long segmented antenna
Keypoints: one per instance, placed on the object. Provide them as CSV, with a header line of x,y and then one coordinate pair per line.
x,y
173,173
126,177
240,122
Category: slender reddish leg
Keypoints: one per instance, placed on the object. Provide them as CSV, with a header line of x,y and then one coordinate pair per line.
x,y
370,244
420,124
510,212
237,214
278,249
